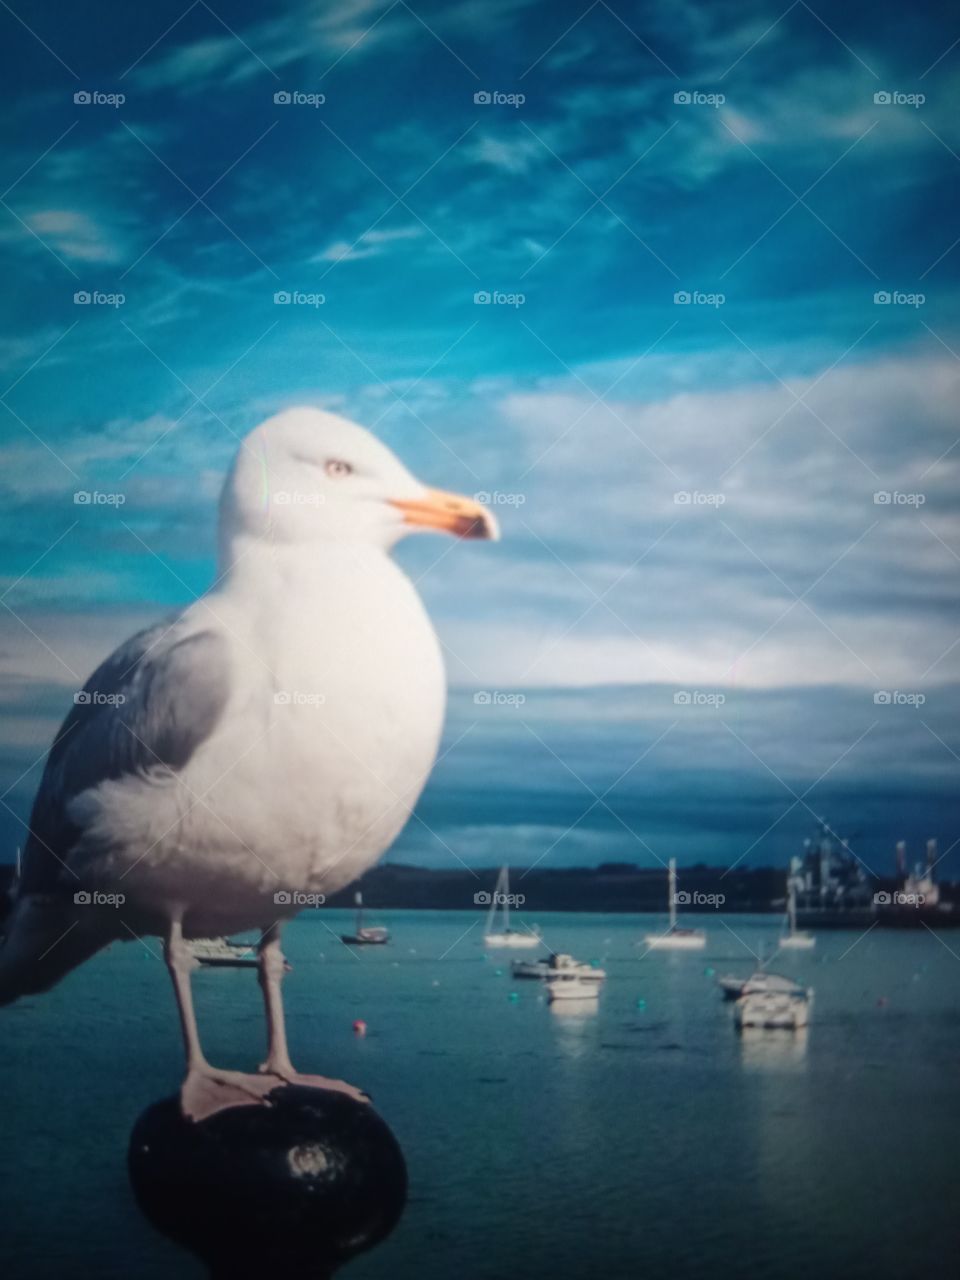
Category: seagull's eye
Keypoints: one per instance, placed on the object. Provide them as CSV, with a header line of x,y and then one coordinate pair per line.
x,y
336,468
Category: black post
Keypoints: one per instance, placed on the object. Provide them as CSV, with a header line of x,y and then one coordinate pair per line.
x,y
297,1187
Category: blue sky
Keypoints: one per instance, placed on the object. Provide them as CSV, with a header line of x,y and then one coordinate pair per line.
x,y
734,154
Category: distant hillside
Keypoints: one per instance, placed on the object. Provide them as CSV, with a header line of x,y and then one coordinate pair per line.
x,y
612,887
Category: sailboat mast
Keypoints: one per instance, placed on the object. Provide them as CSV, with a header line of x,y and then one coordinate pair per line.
x,y
358,899
492,913
506,900
673,893
792,906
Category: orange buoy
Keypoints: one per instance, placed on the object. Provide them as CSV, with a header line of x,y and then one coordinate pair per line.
x,y
360,1027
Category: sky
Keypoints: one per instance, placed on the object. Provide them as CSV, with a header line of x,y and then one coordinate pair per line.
x,y
674,286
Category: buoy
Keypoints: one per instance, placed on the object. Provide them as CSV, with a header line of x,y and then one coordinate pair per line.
x,y
883,1002
498,973
359,1027
641,1003
709,971
435,983
514,996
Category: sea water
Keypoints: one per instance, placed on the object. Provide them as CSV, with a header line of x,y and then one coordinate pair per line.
x,y
638,1137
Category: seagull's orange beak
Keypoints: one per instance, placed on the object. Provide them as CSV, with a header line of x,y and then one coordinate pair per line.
x,y
450,513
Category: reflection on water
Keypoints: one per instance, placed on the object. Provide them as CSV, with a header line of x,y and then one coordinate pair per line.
x,y
767,1050
567,1141
574,1023
574,1011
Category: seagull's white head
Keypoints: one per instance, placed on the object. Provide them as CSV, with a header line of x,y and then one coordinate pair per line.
x,y
306,476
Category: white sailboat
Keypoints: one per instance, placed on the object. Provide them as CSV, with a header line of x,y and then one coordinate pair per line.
x,y
365,935
676,938
505,936
795,939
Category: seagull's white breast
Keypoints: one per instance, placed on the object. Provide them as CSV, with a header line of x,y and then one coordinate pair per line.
x,y
330,732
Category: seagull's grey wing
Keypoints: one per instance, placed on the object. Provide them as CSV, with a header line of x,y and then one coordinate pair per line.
x,y
146,709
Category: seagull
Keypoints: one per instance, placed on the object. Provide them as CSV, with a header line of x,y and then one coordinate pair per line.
x,y
258,751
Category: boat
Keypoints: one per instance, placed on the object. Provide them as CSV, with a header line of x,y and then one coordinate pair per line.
x,y
558,965
759,983
569,986
795,939
222,953
371,935
774,1010
676,938
506,937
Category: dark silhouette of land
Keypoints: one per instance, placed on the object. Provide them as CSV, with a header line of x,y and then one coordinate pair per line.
x,y
610,887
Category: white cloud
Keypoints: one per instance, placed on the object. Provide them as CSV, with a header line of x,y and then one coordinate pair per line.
x,y
75,235
603,576
369,244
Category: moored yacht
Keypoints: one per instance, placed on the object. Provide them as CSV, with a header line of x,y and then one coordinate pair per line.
x,y
505,936
222,953
759,983
774,1010
568,986
794,939
676,938
558,965
365,935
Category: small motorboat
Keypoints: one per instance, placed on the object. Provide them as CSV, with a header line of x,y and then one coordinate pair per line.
x,y
570,987
371,935
222,953
758,983
774,1010
558,965
676,938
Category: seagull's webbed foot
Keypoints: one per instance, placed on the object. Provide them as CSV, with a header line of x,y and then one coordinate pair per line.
x,y
287,1074
207,1090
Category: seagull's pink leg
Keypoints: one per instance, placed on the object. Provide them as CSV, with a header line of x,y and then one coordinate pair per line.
x,y
272,969
206,1089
